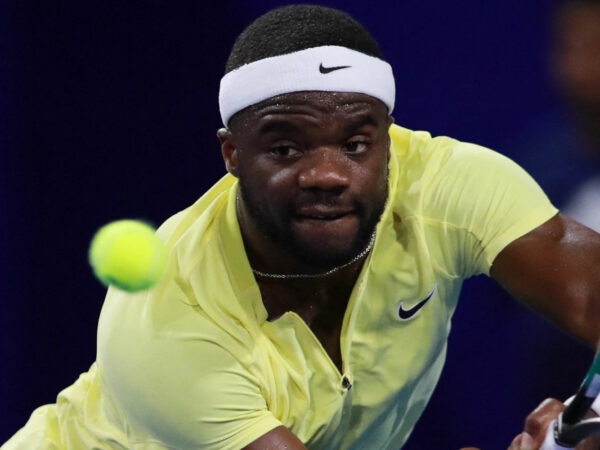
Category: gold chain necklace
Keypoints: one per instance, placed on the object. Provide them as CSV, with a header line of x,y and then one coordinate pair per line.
x,y
287,276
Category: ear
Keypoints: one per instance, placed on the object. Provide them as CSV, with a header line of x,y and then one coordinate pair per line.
x,y
228,150
390,122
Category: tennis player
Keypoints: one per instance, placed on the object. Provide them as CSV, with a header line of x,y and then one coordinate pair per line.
x,y
310,291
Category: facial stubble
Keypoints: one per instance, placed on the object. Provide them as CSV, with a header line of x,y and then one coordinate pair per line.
x,y
278,229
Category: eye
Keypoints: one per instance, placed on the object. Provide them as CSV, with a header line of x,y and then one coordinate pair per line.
x,y
284,151
356,146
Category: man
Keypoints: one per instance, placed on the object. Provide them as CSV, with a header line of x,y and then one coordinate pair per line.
x,y
309,292
577,70
561,148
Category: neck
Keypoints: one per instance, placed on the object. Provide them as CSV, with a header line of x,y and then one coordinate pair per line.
x,y
359,258
320,302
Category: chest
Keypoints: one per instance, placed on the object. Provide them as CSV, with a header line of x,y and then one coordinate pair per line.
x,y
391,365
322,309
391,360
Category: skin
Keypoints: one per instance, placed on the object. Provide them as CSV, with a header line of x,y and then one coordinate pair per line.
x,y
313,171
575,65
537,423
575,53
313,184
555,270
313,175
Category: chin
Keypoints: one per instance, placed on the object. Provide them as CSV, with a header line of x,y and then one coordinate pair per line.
x,y
325,254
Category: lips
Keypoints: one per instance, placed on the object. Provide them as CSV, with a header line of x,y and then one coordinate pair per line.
x,y
322,213
321,227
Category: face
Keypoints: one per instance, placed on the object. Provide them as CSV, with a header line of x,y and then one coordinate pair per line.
x,y
312,170
577,53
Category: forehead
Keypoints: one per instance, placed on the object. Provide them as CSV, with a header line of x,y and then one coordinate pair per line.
x,y
312,104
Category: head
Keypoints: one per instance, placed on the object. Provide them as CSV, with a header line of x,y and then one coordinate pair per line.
x,y
576,51
309,146
576,66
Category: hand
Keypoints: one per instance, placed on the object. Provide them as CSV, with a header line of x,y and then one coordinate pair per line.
x,y
537,423
535,426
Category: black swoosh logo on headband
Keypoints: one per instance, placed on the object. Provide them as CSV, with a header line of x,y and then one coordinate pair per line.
x,y
324,69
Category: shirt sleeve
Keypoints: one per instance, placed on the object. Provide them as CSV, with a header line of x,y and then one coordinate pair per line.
x,y
479,201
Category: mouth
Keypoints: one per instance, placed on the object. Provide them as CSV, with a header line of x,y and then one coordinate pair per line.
x,y
328,231
320,217
327,225
325,214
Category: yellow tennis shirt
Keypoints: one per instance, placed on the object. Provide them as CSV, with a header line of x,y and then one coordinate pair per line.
x,y
194,364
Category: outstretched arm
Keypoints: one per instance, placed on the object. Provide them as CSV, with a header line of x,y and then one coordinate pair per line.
x,y
555,269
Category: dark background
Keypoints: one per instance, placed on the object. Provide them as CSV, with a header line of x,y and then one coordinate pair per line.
x,y
108,110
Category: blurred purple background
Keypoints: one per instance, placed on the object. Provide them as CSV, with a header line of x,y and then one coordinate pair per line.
x,y
108,110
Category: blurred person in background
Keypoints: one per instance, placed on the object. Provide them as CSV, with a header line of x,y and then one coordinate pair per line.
x,y
562,149
576,59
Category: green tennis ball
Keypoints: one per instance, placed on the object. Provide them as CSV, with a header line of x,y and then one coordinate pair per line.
x,y
128,255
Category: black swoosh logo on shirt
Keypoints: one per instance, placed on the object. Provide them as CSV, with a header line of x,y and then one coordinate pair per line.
x,y
324,69
407,314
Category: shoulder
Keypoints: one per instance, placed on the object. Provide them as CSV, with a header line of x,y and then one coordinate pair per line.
x,y
198,216
418,145
417,156
175,370
442,166
466,197
425,169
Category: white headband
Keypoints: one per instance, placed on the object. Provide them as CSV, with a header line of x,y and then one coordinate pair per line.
x,y
327,68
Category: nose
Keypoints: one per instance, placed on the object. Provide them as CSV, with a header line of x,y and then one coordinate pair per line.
x,y
325,169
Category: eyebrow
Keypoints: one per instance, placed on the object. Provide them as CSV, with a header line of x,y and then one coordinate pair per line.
x,y
361,121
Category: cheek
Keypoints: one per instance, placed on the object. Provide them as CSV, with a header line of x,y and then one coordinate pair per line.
x,y
281,178
375,176
267,182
